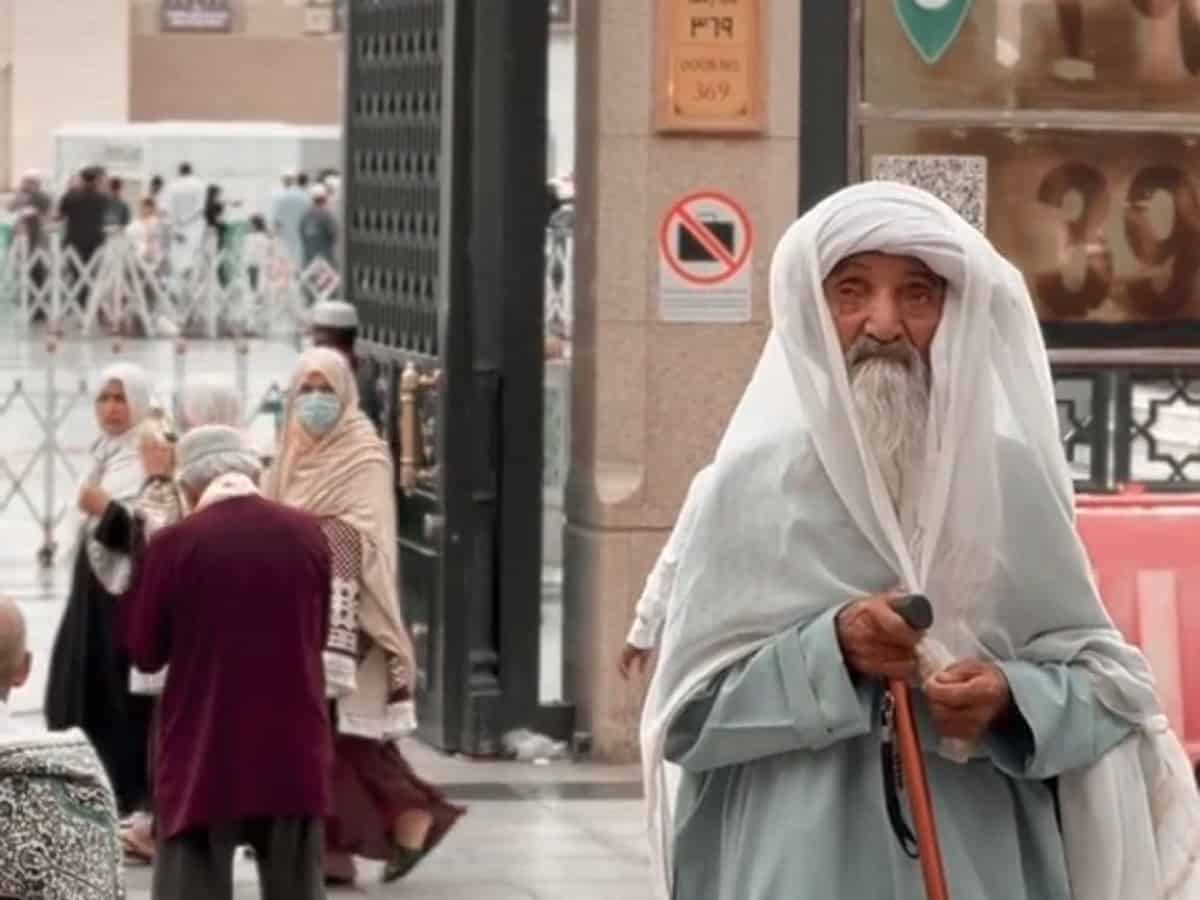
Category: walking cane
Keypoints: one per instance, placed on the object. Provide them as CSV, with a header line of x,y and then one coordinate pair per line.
x,y
900,725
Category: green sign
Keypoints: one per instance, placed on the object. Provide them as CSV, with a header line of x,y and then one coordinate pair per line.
x,y
932,25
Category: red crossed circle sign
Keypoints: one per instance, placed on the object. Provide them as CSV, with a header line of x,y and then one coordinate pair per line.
x,y
685,214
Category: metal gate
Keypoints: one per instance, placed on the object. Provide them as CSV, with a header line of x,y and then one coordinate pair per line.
x,y
445,208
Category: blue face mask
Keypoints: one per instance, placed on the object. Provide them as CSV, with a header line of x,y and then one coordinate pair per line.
x,y
318,411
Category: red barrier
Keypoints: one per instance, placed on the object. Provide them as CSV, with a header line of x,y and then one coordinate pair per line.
x,y
1145,552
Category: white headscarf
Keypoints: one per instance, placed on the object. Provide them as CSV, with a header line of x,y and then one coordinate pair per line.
x,y
347,475
763,554
116,461
116,466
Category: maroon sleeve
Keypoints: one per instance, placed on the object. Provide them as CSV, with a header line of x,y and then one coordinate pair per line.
x,y
143,609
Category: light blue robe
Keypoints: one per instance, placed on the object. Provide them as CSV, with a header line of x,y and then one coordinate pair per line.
x,y
782,795
289,209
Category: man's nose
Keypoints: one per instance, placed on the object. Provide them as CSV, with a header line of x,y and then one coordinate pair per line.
x,y
884,324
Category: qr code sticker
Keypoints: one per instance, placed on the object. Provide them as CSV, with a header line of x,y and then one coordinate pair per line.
x,y
958,181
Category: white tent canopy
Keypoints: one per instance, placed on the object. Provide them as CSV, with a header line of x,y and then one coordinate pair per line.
x,y
245,158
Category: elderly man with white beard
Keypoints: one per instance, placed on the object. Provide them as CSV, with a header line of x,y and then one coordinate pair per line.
x,y
899,435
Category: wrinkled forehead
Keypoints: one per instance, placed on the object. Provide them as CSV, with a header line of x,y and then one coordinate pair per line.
x,y
896,226
909,265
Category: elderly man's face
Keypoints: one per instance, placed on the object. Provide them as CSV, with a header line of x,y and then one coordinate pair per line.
x,y
887,300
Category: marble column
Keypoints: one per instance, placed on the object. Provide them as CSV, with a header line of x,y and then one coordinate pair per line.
x,y
650,399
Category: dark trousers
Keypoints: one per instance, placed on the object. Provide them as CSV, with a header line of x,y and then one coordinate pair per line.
x,y
198,864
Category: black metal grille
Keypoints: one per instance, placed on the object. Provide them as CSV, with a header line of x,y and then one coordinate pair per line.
x,y
393,193
1131,425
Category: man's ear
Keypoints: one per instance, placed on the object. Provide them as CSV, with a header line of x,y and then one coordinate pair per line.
x,y
21,675
190,494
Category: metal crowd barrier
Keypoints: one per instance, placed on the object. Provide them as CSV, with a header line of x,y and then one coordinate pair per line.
x,y
212,293
47,420
72,315
559,288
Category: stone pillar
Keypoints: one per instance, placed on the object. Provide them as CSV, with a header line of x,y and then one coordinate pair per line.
x,y
650,399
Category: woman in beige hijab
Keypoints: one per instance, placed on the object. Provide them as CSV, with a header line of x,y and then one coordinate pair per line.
x,y
333,464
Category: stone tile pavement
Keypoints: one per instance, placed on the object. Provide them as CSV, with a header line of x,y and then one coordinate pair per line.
x,y
556,832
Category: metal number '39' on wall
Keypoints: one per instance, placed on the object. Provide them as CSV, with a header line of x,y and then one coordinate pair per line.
x,y
1166,260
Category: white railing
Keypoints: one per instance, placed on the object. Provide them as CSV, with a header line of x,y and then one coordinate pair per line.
x,y
47,419
560,280
120,291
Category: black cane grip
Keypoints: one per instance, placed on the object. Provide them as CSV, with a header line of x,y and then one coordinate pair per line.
x,y
914,609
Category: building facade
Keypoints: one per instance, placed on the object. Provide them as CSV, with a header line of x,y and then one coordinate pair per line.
x,y
150,60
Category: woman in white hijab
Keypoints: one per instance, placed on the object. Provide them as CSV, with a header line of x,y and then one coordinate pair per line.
x,y
333,465
89,679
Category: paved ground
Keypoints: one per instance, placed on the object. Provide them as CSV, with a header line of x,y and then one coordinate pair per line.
x,y
563,831
559,832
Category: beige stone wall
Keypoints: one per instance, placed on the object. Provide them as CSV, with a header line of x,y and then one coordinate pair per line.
x,y
248,74
7,180
70,64
650,399
251,18
236,78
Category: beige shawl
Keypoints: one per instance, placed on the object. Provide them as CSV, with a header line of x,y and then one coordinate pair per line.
x,y
347,474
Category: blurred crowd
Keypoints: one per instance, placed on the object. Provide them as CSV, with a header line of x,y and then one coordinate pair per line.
x,y
174,221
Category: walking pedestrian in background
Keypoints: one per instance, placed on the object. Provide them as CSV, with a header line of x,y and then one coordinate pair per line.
x,y
117,215
184,202
286,214
333,465
31,204
319,230
257,253
234,601
84,210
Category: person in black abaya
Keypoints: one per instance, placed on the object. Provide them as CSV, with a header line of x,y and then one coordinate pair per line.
x,y
89,678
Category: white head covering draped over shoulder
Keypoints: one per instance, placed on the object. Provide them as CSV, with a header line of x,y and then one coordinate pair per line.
x,y
993,484
116,467
347,474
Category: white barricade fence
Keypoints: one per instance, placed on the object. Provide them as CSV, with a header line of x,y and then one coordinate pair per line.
x,y
123,291
560,281
48,424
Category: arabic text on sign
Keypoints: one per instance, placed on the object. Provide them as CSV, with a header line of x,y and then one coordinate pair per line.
x,y
711,62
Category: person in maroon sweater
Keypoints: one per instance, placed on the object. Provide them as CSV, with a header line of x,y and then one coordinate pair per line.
x,y
234,600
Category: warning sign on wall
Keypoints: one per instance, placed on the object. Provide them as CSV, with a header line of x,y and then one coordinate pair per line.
x,y
704,260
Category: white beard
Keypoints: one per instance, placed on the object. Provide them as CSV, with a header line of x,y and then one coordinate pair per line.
x,y
892,402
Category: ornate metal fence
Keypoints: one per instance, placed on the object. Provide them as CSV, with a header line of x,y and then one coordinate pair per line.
x,y
1130,417
560,248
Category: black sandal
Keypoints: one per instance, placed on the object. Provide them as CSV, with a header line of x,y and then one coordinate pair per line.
x,y
402,861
